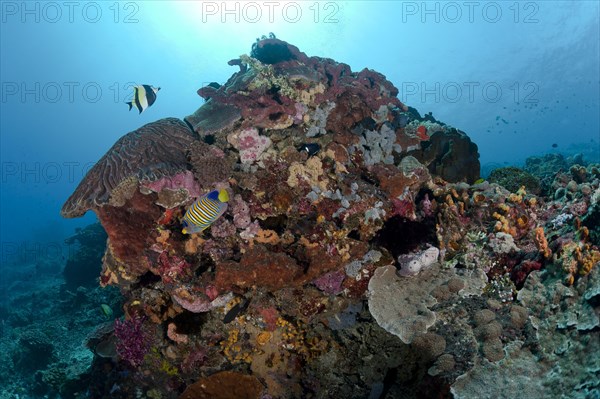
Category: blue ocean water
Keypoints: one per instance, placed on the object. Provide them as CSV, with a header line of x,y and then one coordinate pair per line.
x,y
520,78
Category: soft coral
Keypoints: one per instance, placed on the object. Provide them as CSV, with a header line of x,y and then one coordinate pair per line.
x,y
133,341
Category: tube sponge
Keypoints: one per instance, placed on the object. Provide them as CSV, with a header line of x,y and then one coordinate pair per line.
x,y
412,264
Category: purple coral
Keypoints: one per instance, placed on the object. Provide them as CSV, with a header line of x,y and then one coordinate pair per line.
x,y
251,231
241,212
331,283
301,109
133,341
222,228
194,359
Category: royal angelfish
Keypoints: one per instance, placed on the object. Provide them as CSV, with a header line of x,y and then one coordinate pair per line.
x,y
143,97
205,211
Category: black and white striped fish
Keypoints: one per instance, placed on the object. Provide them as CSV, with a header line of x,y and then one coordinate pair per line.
x,y
143,97
205,211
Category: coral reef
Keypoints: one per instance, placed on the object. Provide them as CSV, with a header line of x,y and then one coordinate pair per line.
x,y
513,179
360,255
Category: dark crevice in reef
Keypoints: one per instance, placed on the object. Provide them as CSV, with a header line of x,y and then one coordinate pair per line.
x,y
206,263
388,381
209,139
274,93
401,236
148,279
190,323
275,223
354,234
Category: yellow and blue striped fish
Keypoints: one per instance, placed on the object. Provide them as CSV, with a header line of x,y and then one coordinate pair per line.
x,y
205,211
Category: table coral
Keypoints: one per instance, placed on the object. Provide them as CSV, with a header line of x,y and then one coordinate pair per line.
x,y
409,314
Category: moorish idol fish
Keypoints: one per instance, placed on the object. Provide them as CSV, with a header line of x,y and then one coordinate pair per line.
x,y
205,211
143,97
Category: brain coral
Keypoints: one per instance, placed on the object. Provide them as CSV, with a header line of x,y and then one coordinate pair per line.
x,y
153,151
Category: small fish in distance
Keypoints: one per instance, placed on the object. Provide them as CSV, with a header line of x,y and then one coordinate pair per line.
x,y
310,148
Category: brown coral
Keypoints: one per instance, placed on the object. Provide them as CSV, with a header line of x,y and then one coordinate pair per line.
x,y
210,163
224,385
258,266
213,117
129,230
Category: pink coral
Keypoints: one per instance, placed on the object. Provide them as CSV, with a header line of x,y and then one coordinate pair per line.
x,y
404,207
301,109
199,302
427,206
184,180
172,268
211,292
195,305
174,336
250,144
